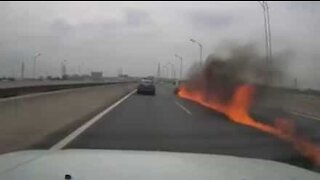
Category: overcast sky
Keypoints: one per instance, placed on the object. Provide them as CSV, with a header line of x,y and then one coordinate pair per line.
x,y
136,36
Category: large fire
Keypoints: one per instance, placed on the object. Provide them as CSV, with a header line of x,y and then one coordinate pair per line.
x,y
237,110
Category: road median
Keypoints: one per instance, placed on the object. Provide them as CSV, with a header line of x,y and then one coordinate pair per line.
x,y
28,120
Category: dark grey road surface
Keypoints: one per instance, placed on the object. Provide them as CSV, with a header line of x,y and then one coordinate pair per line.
x,y
158,123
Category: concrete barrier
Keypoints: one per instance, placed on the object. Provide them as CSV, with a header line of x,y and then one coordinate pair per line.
x,y
293,102
17,90
306,104
28,119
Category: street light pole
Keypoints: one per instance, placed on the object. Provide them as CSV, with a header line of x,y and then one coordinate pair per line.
x,y
269,33
200,54
165,74
63,69
179,57
200,45
268,46
265,32
34,65
172,70
22,70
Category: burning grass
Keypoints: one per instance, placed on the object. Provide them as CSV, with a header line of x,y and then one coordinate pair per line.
x,y
222,85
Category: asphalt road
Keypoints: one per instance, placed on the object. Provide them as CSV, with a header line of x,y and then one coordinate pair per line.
x,y
167,123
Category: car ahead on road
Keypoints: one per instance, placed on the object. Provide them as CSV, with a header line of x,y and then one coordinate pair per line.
x,y
146,86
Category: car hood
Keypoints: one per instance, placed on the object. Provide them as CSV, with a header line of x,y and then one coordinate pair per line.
x,y
123,164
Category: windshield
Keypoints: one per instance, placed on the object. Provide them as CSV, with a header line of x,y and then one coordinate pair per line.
x,y
223,78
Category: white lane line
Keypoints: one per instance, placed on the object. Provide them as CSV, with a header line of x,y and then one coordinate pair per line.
x,y
82,128
305,115
184,108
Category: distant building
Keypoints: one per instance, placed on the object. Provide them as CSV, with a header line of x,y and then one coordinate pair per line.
x,y
96,75
75,77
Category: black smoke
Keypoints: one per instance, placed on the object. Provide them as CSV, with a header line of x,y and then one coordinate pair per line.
x,y
233,65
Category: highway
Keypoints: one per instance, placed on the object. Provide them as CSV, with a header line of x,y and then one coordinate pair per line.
x,y
167,123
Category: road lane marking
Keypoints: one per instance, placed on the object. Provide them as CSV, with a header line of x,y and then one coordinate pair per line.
x,y
184,108
86,125
305,115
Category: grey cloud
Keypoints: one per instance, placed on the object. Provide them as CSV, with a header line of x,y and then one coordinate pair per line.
x,y
136,36
209,20
304,5
135,17
60,26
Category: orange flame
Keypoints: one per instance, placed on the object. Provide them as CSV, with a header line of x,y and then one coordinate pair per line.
x,y
237,110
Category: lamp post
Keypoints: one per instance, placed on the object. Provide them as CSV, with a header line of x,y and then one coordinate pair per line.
x,y
166,71
34,64
181,60
200,45
268,45
172,69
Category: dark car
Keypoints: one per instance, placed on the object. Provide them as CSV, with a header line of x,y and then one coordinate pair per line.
x,y
146,86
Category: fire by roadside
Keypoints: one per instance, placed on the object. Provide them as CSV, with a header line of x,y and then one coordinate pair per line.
x,y
223,85
238,111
